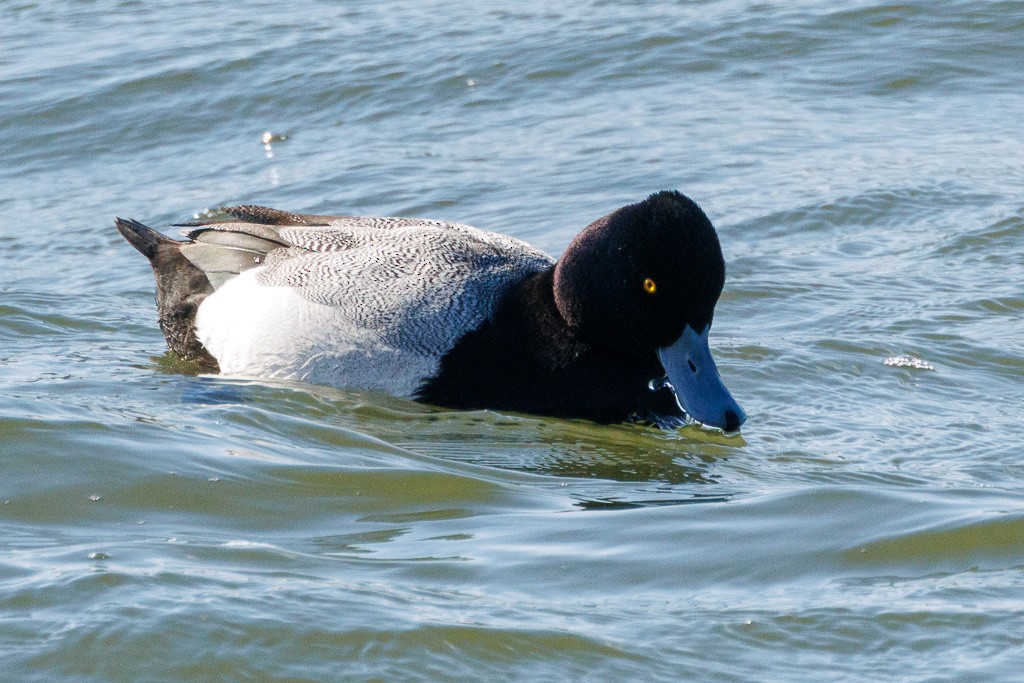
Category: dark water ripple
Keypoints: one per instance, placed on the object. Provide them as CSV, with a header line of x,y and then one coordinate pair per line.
x,y
860,164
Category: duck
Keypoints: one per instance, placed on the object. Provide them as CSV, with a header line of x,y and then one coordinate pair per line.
x,y
616,329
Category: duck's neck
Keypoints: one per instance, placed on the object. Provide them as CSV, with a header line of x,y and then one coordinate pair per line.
x,y
526,358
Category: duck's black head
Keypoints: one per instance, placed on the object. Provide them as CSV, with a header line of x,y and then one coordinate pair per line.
x,y
644,280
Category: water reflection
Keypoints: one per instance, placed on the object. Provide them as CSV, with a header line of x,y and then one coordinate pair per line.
x,y
575,449
632,505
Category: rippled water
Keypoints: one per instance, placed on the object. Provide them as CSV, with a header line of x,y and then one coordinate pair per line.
x,y
863,165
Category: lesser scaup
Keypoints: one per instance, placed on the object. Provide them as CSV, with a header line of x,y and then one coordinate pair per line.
x,y
447,314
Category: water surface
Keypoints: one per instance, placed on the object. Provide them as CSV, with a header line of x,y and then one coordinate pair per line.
x,y
864,169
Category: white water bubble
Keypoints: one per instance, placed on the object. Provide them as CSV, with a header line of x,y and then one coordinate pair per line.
x,y
908,362
659,384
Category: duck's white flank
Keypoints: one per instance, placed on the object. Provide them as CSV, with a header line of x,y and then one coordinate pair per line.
x,y
273,331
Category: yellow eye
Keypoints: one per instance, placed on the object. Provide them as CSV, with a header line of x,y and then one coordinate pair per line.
x,y
649,286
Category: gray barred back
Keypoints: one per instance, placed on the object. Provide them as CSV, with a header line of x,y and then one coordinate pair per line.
x,y
417,285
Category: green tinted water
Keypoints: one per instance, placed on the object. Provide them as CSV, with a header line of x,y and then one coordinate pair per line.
x,y
863,167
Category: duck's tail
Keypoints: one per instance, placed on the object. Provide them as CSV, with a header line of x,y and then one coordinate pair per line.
x,y
142,237
180,288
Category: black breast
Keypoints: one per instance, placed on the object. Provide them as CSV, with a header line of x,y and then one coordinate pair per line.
x,y
525,358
